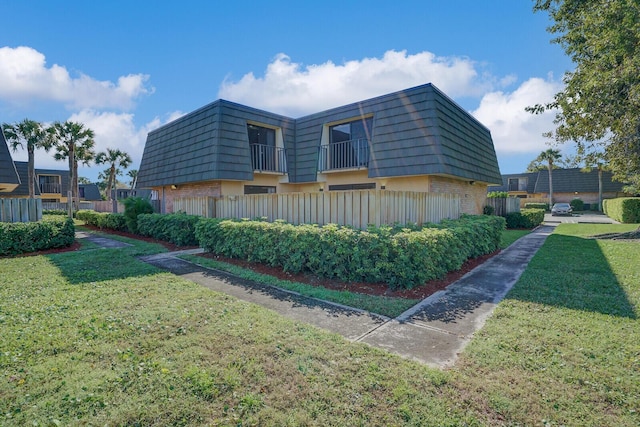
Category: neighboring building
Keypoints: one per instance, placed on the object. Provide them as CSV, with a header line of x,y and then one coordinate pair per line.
x,y
9,178
568,184
416,139
51,185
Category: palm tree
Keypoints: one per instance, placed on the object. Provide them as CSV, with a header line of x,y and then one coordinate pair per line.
x,y
74,142
116,159
550,156
133,174
34,136
596,160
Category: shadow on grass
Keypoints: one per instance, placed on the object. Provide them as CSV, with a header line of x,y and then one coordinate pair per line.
x,y
265,295
573,272
86,266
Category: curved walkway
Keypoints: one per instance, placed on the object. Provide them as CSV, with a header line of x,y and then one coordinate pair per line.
x,y
433,332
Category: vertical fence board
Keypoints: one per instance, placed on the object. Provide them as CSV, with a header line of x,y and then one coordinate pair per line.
x,y
354,208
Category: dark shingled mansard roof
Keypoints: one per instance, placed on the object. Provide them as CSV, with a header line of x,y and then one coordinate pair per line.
x,y
417,131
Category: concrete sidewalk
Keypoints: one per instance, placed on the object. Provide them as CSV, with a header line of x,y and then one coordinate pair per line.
x,y
432,332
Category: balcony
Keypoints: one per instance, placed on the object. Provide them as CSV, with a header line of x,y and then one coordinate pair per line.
x,y
50,188
344,155
267,158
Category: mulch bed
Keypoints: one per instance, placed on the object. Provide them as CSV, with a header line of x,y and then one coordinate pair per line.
x,y
378,289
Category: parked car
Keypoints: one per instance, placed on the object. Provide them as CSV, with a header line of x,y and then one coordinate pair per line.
x,y
561,209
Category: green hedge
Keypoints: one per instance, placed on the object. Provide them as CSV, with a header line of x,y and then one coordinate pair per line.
x,y
49,233
112,221
497,195
178,228
526,218
402,257
543,206
577,205
623,209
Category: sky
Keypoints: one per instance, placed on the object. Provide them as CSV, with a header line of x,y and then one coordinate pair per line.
x,y
124,68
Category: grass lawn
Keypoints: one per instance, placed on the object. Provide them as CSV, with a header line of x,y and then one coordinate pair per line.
x,y
98,337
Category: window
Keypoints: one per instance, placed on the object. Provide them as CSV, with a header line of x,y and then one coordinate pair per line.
x,y
517,184
49,184
343,187
259,189
262,141
348,145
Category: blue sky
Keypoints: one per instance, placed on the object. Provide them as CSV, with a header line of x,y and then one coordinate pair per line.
x,y
126,67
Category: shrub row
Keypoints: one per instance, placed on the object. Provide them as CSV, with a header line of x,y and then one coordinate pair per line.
x,y
178,228
49,233
531,205
401,257
113,221
623,209
526,218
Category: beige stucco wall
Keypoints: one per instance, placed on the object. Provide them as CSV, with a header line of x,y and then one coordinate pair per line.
x,y
473,195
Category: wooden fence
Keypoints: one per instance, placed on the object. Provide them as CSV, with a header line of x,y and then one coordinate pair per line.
x,y
504,205
354,208
20,210
98,206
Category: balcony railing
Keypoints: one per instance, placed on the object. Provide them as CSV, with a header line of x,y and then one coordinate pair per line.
x,y
267,158
50,188
344,155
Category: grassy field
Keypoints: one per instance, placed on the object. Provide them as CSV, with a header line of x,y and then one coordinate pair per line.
x,y
98,337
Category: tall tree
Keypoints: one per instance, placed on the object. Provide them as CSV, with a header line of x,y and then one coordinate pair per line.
x,y
116,159
550,156
599,106
33,135
133,174
73,142
595,159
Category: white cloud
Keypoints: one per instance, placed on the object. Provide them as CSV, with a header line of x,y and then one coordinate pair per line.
x,y
25,77
293,89
513,129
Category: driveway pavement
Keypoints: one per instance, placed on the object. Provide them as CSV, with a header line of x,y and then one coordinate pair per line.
x,y
580,217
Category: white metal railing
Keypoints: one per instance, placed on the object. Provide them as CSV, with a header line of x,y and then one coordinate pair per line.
x,y
344,155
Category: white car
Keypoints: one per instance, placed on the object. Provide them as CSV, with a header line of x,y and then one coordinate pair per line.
x,y
561,209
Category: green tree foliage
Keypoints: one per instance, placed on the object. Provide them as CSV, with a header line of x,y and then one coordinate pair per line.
x,y
133,174
33,135
116,159
73,142
600,103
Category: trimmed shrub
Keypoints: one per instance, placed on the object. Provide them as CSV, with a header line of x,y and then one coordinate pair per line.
x,y
623,209
49,233
543,206
177,228
54,212
402,257
497,195
526,218
488,210
577,205
112,221
134,206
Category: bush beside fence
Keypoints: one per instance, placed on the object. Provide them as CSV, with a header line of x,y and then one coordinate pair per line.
x,y
623,209
178,228
112,221
48,233
402,257
526,218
